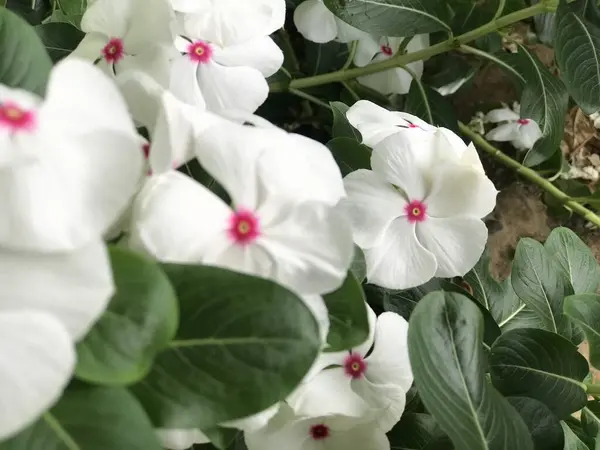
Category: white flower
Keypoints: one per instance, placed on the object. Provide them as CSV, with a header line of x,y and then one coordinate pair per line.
x,y
393,81
272,230
451,88
522,133
128,35
332,432
229,22
223,78
378,372
72,162
417,214
316,23
376,123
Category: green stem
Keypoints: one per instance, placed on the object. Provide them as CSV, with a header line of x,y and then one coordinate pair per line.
x,y
310,98
288,49
351,53
592,389
417,80
532,176
352,92
500,9
402,60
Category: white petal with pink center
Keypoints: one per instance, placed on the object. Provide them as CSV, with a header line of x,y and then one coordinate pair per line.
x,y
376,123
332,432
522,133
371,49
75,161
416,216
230,22
129,34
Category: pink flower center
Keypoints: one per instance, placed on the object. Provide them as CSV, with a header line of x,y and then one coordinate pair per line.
x,y
200,52
355,366
244,227
416,211
319,432
113,51
386,50
146,150
15,118
523,121
412,125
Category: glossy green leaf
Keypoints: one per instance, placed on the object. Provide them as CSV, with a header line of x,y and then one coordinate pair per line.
x,y
470,14
536,281
89,418
544,426
542,365
341,126
324,58
584,310
349,154
60,39
544,98
69,11
578,266
446,353
141,320
349,323
577,47
415,431
590,419
243,344
392,17
431,106
572,441
24,64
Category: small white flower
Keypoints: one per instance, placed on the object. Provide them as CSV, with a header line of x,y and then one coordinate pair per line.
x,y
230,22
521,133
72,162
417,214
378,372
128,35
332,432
376,123
393,81
451,88
317,24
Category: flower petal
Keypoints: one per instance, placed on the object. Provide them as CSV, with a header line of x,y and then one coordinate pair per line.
x,y
366,49
107,17
501,115
456,242
371,205
399,261
393,160
503,133
90,47
176,219
73,287
317,306
387,399
38,359
529,134
142,94
153,60
315,22
261,54
177,439
348,33
184,82
255,421
460,191
150,23
226,88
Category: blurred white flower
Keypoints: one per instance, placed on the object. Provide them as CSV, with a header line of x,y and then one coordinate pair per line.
x,y
180,439
331,432
129,35
317,24
451,88
393,81
417,214
521,133
72,162
370,379
376,123
231,22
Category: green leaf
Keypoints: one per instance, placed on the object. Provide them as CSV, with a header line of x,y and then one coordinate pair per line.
x,y
590,419
141,320
392,17
577,47
572,441
470,14
359,264
89,418
324,58
415,431
243,344
69,11
449,366
536,281
544,99
60,39
24,63
544,426
349,323
578,266
349,154
542,365
341,126
584,310
431,106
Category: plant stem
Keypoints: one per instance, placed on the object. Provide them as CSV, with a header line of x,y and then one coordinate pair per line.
x,y
532,176
592,389
310,98
402,60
